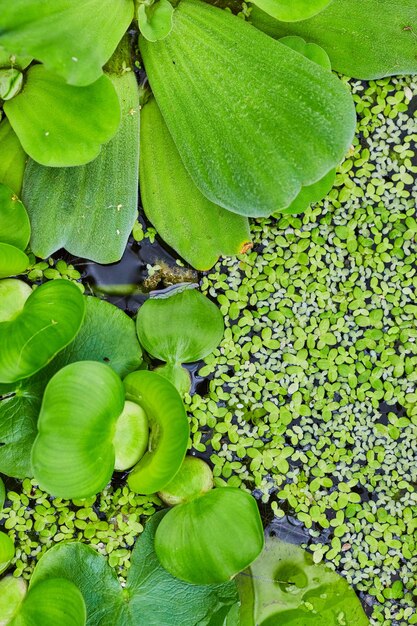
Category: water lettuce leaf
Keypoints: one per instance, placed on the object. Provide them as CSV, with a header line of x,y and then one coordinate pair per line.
x,y
155,20
12,157
199,230
291,10
250,141
73,39
95,222
14,220
364,39
107,335
152,597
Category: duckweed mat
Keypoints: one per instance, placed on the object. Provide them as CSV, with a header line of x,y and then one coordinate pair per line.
x,y
311,399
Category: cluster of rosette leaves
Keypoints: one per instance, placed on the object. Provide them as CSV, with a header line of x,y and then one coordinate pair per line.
x,y
239,125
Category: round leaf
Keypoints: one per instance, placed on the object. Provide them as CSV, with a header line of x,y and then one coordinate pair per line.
x,y
169,431
193,480
177,375
52,602
12,260
13,295
12,592
6,551
60,125
130,440
11,81
12,157
211,538
14,221
73,454
309,50
155,20
181,326
292,10
49,321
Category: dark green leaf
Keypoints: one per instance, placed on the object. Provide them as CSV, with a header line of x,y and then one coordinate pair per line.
x,y
60,125
364,39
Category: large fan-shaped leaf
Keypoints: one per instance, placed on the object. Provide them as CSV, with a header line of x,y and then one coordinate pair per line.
x,y
249,139
284,586
73,454
292,10
60,125
150,595
96,221
169,431
108,336
211,538
197,229
51,602
12,157
49,321
72,38
14,221
363,38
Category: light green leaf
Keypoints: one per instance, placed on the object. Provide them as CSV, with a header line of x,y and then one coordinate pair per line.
x,y
288,588
193,480
310,194
6,551
12,592
11,81
14,221
310,50
155,19
179,326
108,336
73,39
13,295
197,229
131,436
12,261
60,125
292,10
73,454
177,375
94,223
251,147
2,494
211,538
169,431
8,59
12,158
147,597
364,39
52,602
49,321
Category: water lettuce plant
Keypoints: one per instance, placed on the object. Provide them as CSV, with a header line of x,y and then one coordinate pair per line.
x,y
6,551
14,233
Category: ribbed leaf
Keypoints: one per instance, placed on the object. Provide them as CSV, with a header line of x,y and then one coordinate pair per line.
x,y
12,158
95,222
249,139
292,10
60,125
14,221
49,321
211,538
197,229
364,39
73,454
72,38
169,431
52,602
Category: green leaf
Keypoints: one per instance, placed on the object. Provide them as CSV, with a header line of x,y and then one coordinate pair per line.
x,y
131,436
6,551
96,222
292,10
107,335
155,20
358,45
12,158
211,538
14,221
12,592
11,81
193,480
8,59
180,326
73,39
290,589
2,494
73,455
169,431
12,261
197,229
309,50
60,125
13,295
51,602
249,147
149,591
177,375
49,321
310,194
